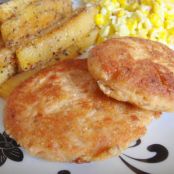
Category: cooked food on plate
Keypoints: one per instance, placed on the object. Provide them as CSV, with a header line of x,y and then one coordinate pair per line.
x,y
12,8
69,53
88,109
149,19
48,46
37,19
135,70
35,32
7,62
61,115
79,47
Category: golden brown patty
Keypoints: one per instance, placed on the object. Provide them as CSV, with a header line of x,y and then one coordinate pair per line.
x,y
135,70
61,115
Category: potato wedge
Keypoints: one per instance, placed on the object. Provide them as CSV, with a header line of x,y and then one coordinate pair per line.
x,y
46,47
12,7
7,64
35,20
79,47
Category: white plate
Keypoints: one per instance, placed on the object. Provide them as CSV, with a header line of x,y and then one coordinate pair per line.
x,y
153,154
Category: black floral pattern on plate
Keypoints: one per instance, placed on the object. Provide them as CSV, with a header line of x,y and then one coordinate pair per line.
x,y
9,149
64,172
161,155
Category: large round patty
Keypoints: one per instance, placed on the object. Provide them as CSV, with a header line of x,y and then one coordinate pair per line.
x,y
135,70
60,114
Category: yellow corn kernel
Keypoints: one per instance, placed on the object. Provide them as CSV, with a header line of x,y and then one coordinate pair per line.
x,y
99,19
155,20
169,6
132,24
157,8
159,1
133,6
169,16
123,3
146,2
171,31
163,35
169,21
120,13
167,24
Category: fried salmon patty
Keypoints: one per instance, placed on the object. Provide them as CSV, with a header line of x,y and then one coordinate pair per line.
x,y
60,114
135,70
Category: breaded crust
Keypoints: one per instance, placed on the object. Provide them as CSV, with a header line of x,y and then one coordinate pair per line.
x,y
60,114
135,70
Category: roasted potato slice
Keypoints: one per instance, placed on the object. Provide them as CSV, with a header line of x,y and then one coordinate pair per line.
x,y
11,8
7,64
78,48
35,20
46,47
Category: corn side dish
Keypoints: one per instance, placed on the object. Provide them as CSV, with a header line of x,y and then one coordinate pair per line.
x,y
151,19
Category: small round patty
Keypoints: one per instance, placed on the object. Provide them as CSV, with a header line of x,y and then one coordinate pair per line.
x,y
135,70
60,114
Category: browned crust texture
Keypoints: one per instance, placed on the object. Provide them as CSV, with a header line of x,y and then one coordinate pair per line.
x,y
61,115
142,70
